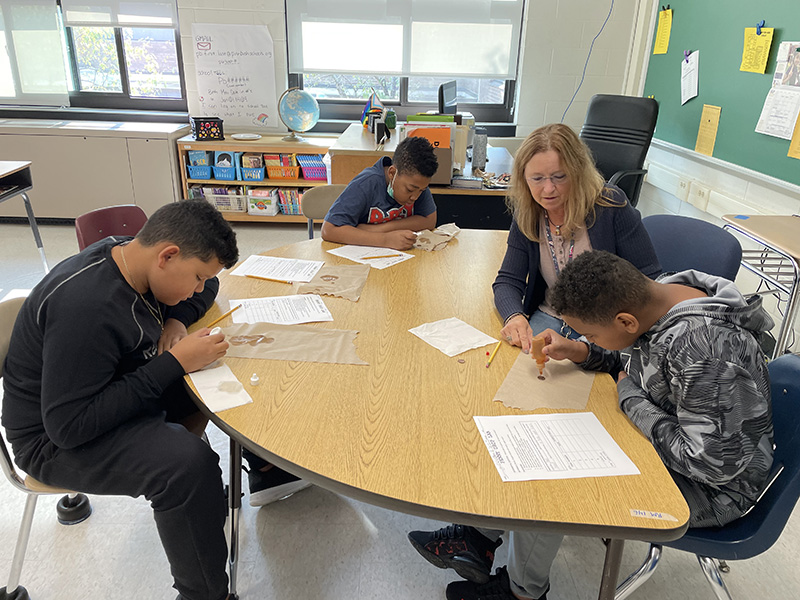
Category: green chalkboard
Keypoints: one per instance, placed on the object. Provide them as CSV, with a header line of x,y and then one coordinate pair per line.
x,y
716,29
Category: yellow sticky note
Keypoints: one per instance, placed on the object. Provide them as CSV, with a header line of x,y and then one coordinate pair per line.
x,y
707,132
663,32
794,147
755,51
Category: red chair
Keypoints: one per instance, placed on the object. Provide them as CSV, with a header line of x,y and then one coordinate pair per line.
x,y
125,219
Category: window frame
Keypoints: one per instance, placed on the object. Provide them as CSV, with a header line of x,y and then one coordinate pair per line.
x,y
348,110
123,100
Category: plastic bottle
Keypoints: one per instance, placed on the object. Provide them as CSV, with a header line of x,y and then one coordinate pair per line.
x,y
479,148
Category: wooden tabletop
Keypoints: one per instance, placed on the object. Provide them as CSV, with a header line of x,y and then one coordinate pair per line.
x,y
8,167
399,433
782,232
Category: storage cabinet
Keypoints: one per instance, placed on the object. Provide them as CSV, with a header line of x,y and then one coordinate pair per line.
x,y
243,177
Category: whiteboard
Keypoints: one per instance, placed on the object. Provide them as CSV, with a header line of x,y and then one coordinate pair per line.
x,y
235,69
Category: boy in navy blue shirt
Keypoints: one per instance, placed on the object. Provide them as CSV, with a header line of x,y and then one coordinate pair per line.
x,y
386,203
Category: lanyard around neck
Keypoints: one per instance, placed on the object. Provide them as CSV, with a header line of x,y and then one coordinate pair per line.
x,y
553,248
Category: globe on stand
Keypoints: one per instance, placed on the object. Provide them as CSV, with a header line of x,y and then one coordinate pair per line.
x,y
299,111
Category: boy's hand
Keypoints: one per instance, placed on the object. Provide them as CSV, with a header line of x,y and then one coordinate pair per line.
x,y
517,332
558,347
401,239
174,332
199,349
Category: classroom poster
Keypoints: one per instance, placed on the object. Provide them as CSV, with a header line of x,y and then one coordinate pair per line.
x,y
755,51
235,67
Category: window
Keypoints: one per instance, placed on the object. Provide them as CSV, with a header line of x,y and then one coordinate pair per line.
x,y
113,54
340,50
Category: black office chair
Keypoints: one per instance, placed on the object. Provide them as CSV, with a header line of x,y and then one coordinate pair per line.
x,y
618,130
683,243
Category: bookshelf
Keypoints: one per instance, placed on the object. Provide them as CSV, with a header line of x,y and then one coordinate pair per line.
x,y
268,144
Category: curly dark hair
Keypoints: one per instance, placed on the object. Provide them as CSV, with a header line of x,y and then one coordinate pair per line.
x,y
414,155
196,227
597,286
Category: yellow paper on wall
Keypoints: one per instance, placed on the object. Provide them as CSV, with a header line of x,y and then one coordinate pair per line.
x,y
707,132
794,147
663,32
755,51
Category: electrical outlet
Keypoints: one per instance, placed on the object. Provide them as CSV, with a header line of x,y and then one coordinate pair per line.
x,y
682,189
698,195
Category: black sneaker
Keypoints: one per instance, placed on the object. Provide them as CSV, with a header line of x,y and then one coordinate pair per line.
x,y
498,588
459,547
272,484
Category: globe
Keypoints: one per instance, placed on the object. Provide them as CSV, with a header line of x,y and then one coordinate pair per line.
x,y
299,111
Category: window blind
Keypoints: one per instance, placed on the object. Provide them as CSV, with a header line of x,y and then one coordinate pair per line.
x,y
451,38
32,48
119,13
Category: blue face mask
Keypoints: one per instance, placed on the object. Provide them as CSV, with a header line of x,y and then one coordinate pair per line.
x,y
390,188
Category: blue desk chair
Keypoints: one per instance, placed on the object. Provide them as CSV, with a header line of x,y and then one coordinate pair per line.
x,y
760,528
683,243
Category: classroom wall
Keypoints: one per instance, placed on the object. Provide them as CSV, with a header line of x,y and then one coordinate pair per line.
x,y
556,41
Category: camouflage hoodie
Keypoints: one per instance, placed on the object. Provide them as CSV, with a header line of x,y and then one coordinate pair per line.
x,y
698,388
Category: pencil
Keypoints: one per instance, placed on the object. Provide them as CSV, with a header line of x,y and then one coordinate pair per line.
x,y
491,358
217,320
267,278
380,256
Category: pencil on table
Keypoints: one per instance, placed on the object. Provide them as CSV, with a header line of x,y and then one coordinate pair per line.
x,y
380,256
217,320
267,278
491,358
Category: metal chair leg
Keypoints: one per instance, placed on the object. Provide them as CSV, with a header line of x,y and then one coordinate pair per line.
x,y
13,590
642,574
35,228
714,577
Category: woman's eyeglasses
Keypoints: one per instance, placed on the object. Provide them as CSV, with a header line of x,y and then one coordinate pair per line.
x,y
554,179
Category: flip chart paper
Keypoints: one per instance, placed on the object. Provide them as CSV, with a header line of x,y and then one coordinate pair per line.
x,y
755,51
664,30
707,132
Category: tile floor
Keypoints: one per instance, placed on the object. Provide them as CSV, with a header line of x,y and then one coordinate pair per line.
x,y
316,545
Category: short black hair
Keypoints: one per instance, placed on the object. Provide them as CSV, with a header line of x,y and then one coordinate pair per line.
x,y
415,155
196,227
596,286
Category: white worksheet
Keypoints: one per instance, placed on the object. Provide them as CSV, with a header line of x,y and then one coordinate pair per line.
x,y
376,257
689,76
283,310
274,267
556,446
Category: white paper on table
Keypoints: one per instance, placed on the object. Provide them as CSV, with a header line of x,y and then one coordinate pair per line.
x,y
218,387
555,446
275,267
452,336
357,254
283,310
689,76
780,112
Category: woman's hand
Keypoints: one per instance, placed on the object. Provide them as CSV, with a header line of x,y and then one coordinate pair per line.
x,y
517,332
174,332
558,347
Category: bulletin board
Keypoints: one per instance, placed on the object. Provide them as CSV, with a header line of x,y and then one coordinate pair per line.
x,y
716,29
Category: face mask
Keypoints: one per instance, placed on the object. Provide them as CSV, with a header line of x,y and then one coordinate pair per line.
x,y
390,188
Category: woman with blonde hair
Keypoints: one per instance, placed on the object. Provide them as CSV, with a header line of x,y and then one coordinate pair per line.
x,y
562,207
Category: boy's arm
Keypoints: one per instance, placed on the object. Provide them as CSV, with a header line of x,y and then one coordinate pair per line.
x,y
704,439
602,360
401,239
82,394
412,223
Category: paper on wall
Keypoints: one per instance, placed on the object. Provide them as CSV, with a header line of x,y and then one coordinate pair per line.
x,y
689,76
780,112
707,132
755,50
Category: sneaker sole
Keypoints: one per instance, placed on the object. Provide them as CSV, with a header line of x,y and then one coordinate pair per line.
x,y
464,569
280,492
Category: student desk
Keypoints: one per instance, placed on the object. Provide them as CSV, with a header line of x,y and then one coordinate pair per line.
x,y
776,263
483,208
16,177
399,433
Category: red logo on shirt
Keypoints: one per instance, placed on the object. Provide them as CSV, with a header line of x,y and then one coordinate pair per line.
x,y
376,215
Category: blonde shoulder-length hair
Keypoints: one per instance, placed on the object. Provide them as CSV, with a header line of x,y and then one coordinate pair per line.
x,y
587,187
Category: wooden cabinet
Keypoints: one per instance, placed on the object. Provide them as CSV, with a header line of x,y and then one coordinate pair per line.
x,y
268,145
